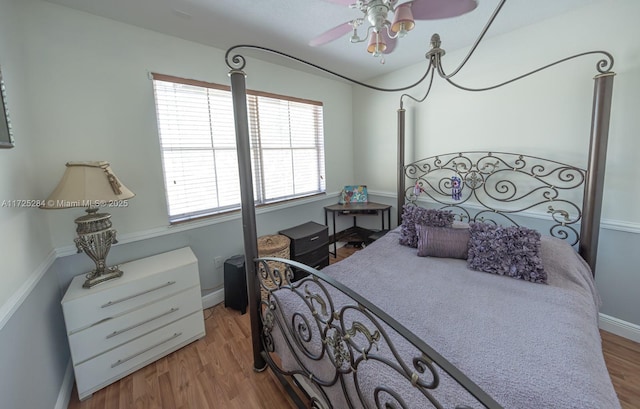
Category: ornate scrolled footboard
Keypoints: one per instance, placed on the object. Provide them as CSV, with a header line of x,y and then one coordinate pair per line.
x,y
348,353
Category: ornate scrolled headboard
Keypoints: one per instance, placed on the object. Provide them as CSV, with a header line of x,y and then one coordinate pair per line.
x,y
497,187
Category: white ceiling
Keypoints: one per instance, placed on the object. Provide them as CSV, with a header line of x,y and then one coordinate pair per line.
x,y
289,25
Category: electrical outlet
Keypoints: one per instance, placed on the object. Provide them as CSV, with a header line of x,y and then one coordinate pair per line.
x,y
218,261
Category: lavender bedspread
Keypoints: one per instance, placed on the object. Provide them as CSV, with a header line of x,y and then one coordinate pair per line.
x,y
527,345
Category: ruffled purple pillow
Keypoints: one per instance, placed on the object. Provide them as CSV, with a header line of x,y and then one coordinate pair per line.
x,y
412,215
512,251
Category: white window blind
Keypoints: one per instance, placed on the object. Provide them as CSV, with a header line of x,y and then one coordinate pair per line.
x,y
197,140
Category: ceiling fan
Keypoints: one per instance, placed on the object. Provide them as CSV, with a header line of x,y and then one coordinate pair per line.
x,y
382,33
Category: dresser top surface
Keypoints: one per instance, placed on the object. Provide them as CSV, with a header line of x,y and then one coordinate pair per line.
x,y
133,270
303,230
355,207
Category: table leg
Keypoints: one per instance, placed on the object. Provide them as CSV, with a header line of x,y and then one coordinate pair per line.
x,y
389,218
335,244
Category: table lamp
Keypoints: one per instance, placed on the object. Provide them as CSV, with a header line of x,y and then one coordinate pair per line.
x,y
91,185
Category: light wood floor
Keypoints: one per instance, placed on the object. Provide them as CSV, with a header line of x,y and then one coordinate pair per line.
x,y
217,372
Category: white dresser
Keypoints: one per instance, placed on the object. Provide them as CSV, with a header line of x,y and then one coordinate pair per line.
x,y
121,325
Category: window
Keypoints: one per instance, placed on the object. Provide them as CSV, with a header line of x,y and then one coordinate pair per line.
x,y
198,144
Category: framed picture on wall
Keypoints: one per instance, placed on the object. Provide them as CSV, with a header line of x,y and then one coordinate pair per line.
x,y
6,135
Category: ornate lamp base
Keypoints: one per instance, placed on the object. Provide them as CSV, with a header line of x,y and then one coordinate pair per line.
x,y
94,279
95,237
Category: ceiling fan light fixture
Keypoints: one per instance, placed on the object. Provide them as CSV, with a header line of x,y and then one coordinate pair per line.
x,y
376,44
381,34
403,21
355,38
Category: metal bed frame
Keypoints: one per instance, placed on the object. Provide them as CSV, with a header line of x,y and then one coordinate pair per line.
x,y
347,343
496,186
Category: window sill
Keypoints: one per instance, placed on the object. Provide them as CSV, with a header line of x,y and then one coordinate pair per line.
x,y
261,208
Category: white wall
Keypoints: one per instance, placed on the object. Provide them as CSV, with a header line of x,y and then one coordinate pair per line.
x,y
94,101
24,234
546,115
33,346
79,90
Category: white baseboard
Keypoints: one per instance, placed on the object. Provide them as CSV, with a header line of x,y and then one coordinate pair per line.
x,y
212,298
619,327
64,396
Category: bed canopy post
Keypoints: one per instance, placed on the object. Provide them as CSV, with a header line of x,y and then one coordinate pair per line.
x,y
239,95
401,178
592,201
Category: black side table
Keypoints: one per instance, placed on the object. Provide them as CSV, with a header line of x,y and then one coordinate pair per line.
x,y
355,209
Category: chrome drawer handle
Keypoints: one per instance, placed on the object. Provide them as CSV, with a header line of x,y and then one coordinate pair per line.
x,y
120,331
130,357
314,238
110,303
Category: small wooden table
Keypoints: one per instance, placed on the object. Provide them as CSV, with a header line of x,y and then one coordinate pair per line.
x,y
355,209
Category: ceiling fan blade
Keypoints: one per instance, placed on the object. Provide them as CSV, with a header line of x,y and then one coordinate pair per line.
x,y
437,9
331,35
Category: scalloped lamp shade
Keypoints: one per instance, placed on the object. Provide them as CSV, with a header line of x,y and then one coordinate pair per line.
x,y
376,39
403,20
86,184
91,185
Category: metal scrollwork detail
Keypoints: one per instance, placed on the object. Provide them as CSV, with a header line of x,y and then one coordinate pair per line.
x,y
358,327
338,350
235,62
336,339
316,404
497,185
473,180
318,299
605,65
563,213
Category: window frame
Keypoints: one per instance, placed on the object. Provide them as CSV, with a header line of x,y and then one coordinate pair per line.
x,y
256,149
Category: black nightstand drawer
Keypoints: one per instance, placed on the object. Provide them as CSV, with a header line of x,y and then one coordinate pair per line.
x,y
309,245
318,264
313,257
306,237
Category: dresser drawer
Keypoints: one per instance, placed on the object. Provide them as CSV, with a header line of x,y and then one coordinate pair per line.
x,y
172,272
312,257
306,237
114,332
321,263
96,373
318,264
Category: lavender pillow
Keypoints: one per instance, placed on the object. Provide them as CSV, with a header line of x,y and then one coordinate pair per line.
x,y
412,215
444,242
511,251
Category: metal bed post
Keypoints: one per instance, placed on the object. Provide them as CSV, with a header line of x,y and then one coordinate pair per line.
x,y
239,95
592,201
401,178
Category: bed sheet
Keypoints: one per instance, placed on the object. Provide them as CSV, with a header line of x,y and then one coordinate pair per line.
x,y
527,345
